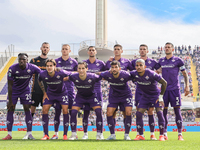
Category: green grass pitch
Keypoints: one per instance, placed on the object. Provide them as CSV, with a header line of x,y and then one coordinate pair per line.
x,y
191,141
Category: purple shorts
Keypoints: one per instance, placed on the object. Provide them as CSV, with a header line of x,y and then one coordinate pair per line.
x,y
146,102
90,101
62,99
99,98
173,97
25,98
57,105
138,96
127,102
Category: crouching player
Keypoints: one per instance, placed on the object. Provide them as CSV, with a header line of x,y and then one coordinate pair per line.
x,y
56,92
84,83
119,95
147,82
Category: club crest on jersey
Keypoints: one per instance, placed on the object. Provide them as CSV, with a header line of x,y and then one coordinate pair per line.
x,y
58,77
71,62
28,70
163,60
147,77
89,80
173,60
122,61
17,72
97,64
76,81
122,79
149,62
59,62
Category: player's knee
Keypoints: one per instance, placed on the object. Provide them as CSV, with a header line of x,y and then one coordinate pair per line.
x,y
108,113
128,113
44,111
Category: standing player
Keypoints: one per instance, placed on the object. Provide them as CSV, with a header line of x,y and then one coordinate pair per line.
x,y
67,63
151,96
125,65
152,65
171,66
86,95
19,76
56,92
119,95
94,65
36,92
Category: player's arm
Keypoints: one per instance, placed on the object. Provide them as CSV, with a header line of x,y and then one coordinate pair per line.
x,y
186,79
43,90
158,71
163,88
10,103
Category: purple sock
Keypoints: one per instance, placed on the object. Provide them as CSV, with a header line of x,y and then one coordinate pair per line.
x,y
114,120
161,122
166,119
45,122
127,124
151,123
99,120
57,119
65,123
85,120
28,120
73,120
111,126
139,122
10,120
178,119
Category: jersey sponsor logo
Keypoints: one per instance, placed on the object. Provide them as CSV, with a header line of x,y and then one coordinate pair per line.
x,y
168,66
147,77
23,77
118,84
94,70
58,82
144,83
84,86
149,67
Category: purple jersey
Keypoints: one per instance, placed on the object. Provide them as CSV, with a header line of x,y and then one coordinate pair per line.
x,y
147,83
21,78
97,66
149,63
125,64
68,65
119,88
55,84
170,71
85,87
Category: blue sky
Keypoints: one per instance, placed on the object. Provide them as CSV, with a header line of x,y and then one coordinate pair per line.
x,y
28,23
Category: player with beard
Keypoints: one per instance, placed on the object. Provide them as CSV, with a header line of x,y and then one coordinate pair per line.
x,y
152,65
119,95
94,65
151,96
67,63
36,92
19,76
171,66
125,65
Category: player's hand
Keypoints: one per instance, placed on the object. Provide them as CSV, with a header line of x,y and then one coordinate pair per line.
x,y
187,90
161,104
65,78
111,58
45,97
10,105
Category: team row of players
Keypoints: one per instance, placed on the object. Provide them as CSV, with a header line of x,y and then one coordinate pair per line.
x,y
119,93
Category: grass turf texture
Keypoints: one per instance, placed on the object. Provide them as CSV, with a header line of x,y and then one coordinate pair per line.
x,y
191,141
